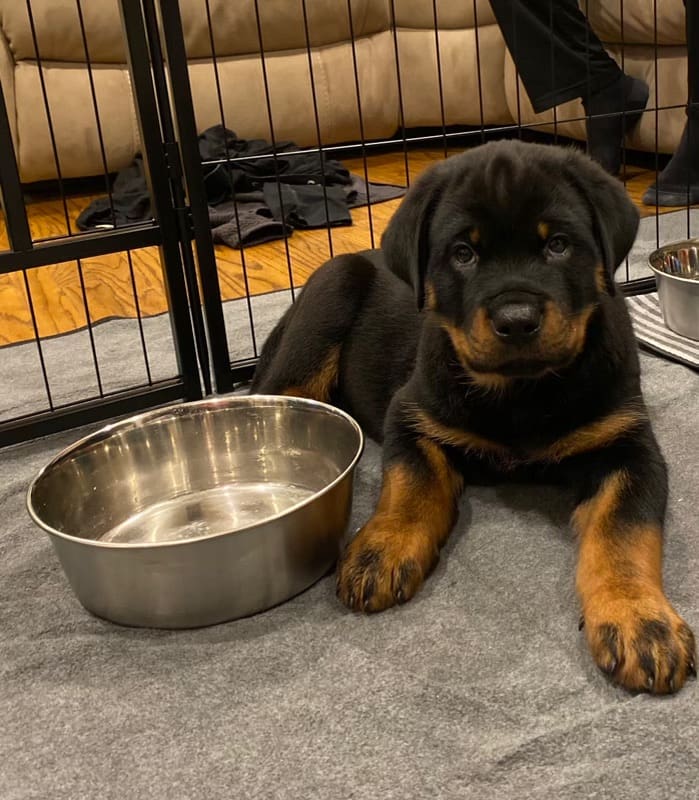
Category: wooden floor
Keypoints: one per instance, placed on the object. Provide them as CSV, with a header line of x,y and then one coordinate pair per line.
x,y
60,293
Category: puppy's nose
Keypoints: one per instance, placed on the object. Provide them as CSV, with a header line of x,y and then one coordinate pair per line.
x,y
516,322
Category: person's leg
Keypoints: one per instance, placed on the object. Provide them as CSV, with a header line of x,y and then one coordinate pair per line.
x,y
559,58
678,183
557,54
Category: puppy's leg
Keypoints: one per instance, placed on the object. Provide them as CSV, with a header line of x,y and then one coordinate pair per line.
x,y
635,635
301,357
391,556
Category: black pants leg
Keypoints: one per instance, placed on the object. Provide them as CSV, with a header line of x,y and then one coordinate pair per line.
x,y
557,54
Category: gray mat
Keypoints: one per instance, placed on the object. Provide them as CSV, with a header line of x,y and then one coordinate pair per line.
x,y
481,687
651,331
70,364
653,232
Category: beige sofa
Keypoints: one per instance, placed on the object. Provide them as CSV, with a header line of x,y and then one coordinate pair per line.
x,y
467,35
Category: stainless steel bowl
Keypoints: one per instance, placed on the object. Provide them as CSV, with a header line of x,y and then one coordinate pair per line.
x,y
676,268
201,512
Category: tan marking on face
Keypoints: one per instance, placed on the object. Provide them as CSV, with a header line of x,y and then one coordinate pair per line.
x,y
543,229
474,235
481,352
600,279
562,337
430,296
488,381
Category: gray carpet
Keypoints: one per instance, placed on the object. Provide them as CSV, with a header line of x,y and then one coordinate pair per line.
x,y
481,687
653,232
70,364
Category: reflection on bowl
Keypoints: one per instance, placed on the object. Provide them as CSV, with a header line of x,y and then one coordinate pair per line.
x,y
676,268
200,512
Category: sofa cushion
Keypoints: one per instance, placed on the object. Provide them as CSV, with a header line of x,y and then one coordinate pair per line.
x,y
291,94
73,119
421,13
235,30
458,64
641,20
58,33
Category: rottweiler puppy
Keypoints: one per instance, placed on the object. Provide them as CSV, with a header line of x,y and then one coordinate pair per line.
x,y
486,340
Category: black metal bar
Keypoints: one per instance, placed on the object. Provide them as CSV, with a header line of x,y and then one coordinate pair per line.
x,y
478,69
181,92
360,117
183,216
95,108
623,69
243,369
316,118
89,411
37,338
49,121
623,148
87,245
219,97
399,87
137,305
655,77
273,139
638,286
517,89
11,197
156,171
438,54
88,324
553,38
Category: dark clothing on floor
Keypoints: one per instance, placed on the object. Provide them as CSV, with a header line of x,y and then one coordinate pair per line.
x,y
263,166
129,202
310,206
235,223
251,201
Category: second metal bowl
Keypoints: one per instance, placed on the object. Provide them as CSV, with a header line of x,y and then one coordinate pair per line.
x,y
201,512
676,268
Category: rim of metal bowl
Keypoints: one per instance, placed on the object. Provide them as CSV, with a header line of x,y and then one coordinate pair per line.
x,y
661,251
181,408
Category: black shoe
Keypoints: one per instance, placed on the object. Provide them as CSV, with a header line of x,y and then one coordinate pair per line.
x,y
678,183
613,112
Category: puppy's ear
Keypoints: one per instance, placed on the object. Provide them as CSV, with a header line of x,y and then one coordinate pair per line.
x,y
614,216
405,242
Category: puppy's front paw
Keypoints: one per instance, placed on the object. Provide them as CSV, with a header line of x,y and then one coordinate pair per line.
x,y
383,566
644,645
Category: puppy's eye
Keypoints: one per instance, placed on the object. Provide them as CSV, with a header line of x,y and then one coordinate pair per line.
x,y
557,245
464,255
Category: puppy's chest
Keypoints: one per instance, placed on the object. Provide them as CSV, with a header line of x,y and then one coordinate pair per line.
x,y
511,439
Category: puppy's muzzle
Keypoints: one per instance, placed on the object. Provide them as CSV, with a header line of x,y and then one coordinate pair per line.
x,y
516,318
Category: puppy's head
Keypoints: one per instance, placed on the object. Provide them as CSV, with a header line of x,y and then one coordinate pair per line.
x,y
512,245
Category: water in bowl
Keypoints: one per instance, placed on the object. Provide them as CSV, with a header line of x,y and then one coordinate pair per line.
x,y
207,513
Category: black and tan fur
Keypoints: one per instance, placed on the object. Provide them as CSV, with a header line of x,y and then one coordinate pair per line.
x,y
486,339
